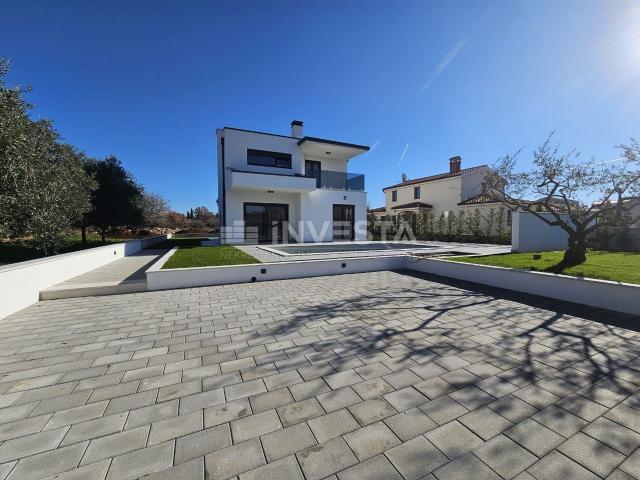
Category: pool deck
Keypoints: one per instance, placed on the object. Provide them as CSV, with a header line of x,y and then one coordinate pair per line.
x,y
267,254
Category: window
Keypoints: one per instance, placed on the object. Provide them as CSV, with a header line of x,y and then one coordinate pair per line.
x,y
268,159
416,193
394,195
509,217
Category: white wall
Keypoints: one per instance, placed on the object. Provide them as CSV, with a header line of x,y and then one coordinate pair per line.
x,y
530,234
20,283
159,279
317,208
595,293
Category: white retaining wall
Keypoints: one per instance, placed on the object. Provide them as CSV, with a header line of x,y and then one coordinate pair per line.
x,y
158,279
614,296
530,234
20,283
620,297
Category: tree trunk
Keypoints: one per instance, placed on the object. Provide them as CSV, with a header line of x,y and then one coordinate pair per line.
x,y
83,229
102,233
576,252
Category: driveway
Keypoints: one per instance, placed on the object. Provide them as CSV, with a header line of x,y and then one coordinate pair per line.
x,y
382,375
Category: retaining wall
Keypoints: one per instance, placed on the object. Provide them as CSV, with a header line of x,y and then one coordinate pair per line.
x,y
20,283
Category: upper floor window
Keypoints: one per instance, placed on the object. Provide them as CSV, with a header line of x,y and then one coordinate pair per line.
x,y
268,159
416,192
394,195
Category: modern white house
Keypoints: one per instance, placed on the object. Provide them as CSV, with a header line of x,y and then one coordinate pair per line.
x,y
459,189
288,188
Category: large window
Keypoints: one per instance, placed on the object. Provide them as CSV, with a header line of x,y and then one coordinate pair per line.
x,y
268,159
394,195
416,193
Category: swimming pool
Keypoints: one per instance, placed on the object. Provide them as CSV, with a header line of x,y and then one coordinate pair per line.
x,y
346,247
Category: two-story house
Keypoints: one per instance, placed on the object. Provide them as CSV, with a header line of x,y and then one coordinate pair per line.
x,y
281,188
456,190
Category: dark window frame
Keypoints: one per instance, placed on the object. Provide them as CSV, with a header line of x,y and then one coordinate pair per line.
x,y
394,195
416,193
275,156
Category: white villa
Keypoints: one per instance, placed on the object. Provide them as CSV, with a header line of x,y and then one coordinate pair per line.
x,y
459,189
279,188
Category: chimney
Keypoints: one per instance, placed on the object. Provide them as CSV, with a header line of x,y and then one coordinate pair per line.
x,y
454,164
296,129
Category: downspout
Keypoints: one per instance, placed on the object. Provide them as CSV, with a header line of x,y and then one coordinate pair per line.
x,y
224,187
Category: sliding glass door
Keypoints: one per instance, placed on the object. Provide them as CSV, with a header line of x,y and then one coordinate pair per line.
x,y
343,222
266,222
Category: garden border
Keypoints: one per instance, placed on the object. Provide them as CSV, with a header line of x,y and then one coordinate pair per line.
x,y
21,282
616,296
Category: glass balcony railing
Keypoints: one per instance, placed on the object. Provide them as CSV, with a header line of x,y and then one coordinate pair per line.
x,y
340,180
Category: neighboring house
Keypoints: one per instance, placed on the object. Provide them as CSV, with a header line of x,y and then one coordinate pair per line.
x,y
279,188
377,212
456,190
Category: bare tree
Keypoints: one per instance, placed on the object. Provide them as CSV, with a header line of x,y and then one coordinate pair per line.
x,y
559,189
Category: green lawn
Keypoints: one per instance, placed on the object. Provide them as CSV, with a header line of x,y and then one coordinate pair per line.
x,y
194,256
20,250
616,266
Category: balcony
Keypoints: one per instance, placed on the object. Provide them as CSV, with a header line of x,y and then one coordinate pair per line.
x,y
296,183
271,181
340,181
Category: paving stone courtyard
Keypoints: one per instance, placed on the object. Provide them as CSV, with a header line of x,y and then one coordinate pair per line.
x,y
374,376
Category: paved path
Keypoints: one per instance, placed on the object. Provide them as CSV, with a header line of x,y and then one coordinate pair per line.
x,y
379,375
125,275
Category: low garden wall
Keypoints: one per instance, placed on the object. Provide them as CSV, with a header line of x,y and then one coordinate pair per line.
x,y
604,294
620,297
158,279
20,283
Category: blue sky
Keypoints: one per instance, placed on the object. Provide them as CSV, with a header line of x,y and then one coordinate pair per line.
x,y
421,81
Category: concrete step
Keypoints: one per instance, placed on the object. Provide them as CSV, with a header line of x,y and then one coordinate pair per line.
x,y
93,289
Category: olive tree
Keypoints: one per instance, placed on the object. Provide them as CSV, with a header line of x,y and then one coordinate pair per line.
x,y
562,191
43,187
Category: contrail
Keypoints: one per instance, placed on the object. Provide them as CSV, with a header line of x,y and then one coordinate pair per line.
x,y
404,152
444,63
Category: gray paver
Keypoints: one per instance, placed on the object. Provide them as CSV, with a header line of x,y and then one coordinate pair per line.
x,y
376,468
288,441
141,462
371,440
191,371
255,425
323,460
556,466
467,466
410,423
592,454
416,458
372,410
453,439
299,412
232,461
284,469
505,456
202,443
333,425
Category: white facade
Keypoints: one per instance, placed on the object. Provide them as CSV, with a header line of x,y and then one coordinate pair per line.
x,y
308,201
